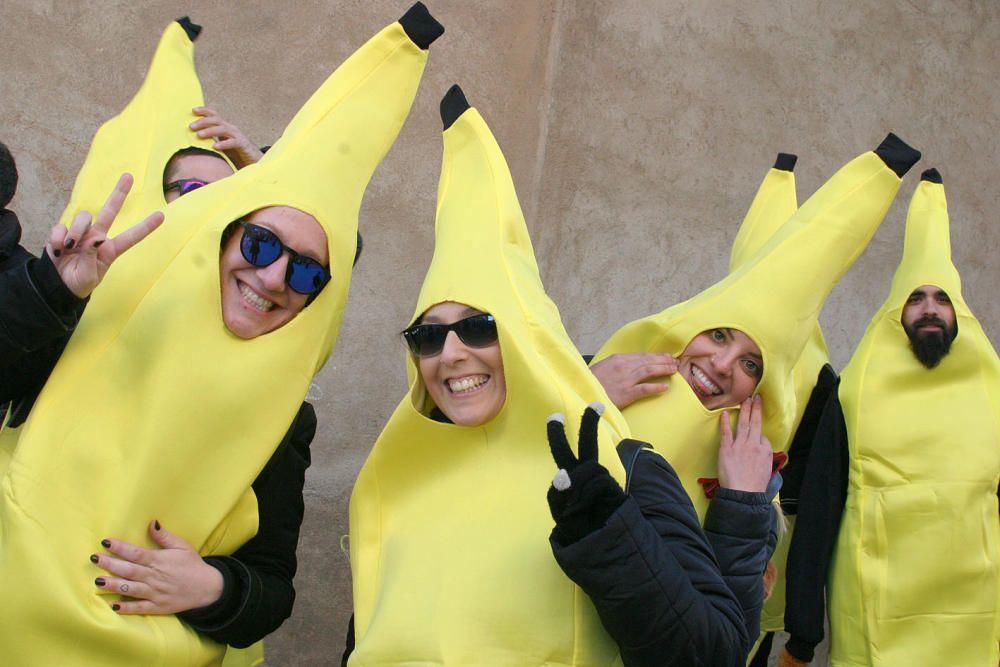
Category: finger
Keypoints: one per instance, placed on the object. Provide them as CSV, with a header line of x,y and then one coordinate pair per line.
x,y
587,446
113,204
204,111
127,607
165,538
756,418
726,429
119,586
119,244
643,390
226,144
743,423
57,235
122,569
558,444
128,551
654,370
214,130
79,226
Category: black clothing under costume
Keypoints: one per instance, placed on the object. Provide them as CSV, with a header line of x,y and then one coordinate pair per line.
x,y
669,591
821,504
37,315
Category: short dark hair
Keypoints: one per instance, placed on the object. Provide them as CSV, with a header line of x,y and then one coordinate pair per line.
x,y
190,150
8,176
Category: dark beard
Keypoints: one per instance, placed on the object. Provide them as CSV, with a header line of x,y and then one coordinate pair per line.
x,y
930,347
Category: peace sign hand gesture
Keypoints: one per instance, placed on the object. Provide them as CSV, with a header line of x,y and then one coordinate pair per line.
x,y
583,495
83,253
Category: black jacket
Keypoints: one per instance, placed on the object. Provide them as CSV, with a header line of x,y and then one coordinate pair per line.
x,y
669,592
37,316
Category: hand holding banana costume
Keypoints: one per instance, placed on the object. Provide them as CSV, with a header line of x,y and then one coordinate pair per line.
x,y
157,410
449,532
915,576
774,298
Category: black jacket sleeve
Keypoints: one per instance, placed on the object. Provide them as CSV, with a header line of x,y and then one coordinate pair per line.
x,y
798,452
258,593
821,505
742,528
654,579
37,315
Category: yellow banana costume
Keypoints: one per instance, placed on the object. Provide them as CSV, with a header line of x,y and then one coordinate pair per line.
x,y
915,572
157,410
774,298
449,524
140,141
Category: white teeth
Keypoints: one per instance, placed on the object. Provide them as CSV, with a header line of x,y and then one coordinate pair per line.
x,y
255,300
711,386
467,383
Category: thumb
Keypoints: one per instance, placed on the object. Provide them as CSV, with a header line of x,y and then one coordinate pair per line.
x,y
165,538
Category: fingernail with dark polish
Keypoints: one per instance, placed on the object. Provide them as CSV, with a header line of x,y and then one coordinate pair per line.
x,y
156,524
56,252
98,243
106,544
69,243
116,607
99,581
93,558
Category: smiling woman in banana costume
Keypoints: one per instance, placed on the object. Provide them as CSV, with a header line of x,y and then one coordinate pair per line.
x,y
157,408
899,509
448,528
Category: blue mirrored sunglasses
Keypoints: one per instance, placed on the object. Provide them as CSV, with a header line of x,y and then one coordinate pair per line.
x,y
262,247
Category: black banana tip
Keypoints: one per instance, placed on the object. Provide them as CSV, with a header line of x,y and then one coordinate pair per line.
x,y
453,105
897,154
420,26
932,175
786,161
192,29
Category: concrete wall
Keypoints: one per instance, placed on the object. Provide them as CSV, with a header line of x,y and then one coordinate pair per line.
x,y
637,132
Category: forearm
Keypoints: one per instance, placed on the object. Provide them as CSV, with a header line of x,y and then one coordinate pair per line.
x,y
739,525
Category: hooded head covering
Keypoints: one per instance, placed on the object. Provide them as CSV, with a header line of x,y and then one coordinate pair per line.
x,y
156,409
916,570
449,524
774,297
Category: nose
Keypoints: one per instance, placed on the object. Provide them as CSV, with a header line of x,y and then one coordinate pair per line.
x,y
272,276
454,349
723,362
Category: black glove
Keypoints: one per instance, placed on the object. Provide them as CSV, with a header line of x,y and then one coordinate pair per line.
x,y
583,495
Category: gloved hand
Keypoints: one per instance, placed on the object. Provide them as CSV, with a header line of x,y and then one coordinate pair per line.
x,y
583,495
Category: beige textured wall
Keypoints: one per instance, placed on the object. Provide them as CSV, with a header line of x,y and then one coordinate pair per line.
x,y
637,132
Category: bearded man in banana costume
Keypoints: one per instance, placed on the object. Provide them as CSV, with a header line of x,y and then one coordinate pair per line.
x,y
898,514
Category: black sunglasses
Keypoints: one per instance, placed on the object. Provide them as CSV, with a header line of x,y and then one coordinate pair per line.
x,y
262,247
184,186
427,340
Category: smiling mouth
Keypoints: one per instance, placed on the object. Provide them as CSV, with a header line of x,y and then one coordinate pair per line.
x,y
254,300
707,387
466,385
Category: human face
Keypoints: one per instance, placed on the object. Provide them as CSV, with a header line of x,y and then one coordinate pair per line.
x,y
929,321
466,383
200,167
722,366
256,300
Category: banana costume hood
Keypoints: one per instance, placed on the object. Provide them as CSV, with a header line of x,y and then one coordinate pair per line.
x,y
157,410
774,297
449,524
915,575
140,141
